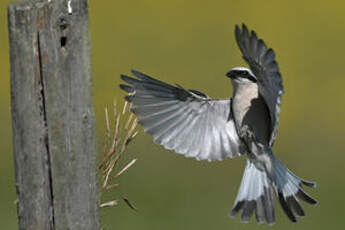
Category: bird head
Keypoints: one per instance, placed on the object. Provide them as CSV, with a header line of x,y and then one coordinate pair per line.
x,y
241,75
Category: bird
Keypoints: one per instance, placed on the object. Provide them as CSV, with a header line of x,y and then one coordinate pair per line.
x,y
246,124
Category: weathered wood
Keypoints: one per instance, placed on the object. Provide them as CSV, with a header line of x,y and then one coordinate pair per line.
x,y
53,117
28,121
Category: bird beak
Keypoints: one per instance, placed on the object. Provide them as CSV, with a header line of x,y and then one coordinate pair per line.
x,y
231,74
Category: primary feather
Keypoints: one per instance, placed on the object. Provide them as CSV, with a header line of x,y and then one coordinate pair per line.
x,y
186,121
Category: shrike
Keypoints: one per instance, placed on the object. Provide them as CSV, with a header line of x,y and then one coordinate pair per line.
x,y
192,124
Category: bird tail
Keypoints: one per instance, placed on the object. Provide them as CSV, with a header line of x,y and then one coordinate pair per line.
x,y
257,189
255,193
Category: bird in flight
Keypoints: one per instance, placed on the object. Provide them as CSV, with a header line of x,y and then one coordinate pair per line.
x,y
195,125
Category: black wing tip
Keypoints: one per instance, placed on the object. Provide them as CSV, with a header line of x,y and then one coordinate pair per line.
x,y
254,35
269,51
126,88
125,77
142,75
242,24
237,28
243,29
237,33
135,72
243,36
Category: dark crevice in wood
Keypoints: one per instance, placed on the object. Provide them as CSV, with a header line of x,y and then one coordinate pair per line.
x,y
63,41
63,27
46,139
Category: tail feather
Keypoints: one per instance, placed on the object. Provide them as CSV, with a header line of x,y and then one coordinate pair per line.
x,y
255,194
289,183
257,188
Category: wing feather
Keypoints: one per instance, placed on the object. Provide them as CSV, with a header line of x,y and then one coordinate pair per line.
x,y
186,121
262,63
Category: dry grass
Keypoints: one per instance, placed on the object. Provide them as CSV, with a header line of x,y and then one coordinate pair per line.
x,y
120,132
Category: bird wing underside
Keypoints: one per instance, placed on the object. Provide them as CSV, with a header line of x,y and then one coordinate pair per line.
x,y
186,121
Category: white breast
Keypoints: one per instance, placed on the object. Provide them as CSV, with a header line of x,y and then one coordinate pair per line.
x,y
250,109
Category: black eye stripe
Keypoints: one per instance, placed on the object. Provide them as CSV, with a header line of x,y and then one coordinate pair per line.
x,y
245,74
251,78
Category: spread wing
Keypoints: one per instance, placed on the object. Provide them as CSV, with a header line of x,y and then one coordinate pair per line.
x,y
262,62
186,121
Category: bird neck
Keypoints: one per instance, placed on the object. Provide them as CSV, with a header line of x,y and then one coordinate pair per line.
x,y
245,90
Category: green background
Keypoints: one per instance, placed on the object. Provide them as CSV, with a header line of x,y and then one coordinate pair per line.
x,y
192,43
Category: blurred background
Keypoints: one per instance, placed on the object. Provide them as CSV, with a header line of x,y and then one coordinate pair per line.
x,y
192,43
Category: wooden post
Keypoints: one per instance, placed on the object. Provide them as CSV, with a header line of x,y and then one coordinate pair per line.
x,y
52,115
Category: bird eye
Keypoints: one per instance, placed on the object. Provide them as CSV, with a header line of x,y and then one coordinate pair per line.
x,y
244,73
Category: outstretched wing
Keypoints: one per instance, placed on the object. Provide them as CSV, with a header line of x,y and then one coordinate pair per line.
x,y
186,121
262,62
